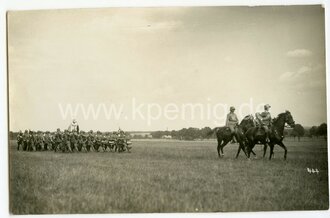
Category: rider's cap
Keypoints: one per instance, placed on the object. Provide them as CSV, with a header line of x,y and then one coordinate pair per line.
x,y
267,106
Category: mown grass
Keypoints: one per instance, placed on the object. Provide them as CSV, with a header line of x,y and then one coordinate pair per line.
x,y
168,176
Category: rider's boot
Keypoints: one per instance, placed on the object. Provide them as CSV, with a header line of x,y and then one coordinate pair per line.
x,y
234,140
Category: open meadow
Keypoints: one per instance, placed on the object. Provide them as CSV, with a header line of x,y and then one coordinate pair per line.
x,y
169,176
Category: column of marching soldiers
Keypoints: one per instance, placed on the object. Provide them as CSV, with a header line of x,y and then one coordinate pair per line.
x,y
73,141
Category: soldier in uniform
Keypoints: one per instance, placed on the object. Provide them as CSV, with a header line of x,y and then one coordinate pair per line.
x,y
98,141
39,141
47,141
66,141
74,141
32,141
232,121
19,140
52,139
90,141
82,141
26,140
264,119
108,142
58,140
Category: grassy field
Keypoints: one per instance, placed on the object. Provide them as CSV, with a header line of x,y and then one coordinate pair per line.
x,y
168,176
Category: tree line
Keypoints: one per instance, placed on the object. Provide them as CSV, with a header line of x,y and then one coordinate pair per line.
x,y
185,133
315,131
203,133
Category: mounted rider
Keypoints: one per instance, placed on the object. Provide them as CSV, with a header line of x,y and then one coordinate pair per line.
x,y
74,127
232,121
264,119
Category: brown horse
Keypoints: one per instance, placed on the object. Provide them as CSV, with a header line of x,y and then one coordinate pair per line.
x,y
224,135
276,136
247,123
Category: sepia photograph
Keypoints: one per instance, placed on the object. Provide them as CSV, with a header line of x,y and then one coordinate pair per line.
x,y
192,109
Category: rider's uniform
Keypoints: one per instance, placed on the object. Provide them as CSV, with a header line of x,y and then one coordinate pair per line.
x,y
264,119
74,127
231,121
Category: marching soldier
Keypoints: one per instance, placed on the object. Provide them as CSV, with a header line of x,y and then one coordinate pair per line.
x,y
19,140
82,140
47,141
74,141
39,141
26,138
32,141
58,140
98,141
66,142
90,141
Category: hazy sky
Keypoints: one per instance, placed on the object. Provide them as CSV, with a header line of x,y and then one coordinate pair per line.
x,y
199,55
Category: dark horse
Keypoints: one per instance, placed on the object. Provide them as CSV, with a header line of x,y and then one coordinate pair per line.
x,y
247,123
224,135
276,136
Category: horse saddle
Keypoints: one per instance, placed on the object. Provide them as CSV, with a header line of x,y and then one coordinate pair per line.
x,y
225,129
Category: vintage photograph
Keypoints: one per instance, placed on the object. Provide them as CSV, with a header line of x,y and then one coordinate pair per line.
x,y
167,109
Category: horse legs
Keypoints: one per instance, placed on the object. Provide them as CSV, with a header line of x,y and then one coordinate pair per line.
x,y
248,151
223,145
271,151
218,147
285,149
241,147
265,149
239,150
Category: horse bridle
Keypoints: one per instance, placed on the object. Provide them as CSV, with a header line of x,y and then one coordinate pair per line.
x,y
286,125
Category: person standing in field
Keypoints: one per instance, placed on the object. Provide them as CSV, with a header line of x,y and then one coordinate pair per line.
x,y
232,122
19,140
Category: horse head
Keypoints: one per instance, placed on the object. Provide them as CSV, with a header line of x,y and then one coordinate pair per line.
x,y
284,118
289,119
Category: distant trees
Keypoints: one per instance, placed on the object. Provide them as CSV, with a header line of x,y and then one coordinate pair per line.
x,y
204,132
157,134
185,133
298,131
322,130
313,131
